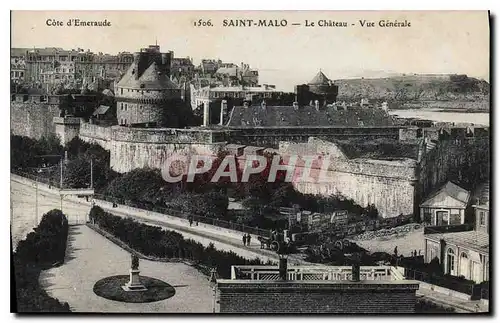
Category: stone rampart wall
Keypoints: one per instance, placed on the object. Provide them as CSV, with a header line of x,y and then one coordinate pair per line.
x,y
33,120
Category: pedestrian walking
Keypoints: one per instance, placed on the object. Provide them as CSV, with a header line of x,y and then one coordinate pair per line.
x,y
248,239
190,221
396,251
415,252
196,222
244,239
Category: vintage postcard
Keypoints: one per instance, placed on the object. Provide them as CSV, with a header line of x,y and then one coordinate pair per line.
x,y
250,161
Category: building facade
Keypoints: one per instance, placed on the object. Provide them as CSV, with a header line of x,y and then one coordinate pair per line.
x,y
446,206
463,253
182,66
57,65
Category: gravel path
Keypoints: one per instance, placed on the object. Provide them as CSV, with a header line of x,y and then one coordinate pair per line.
x,y
90,257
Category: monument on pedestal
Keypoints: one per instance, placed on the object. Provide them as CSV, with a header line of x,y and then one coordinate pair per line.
x,y
134,285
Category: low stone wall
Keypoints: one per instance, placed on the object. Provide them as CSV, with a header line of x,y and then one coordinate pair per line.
x,y
124,246
444,291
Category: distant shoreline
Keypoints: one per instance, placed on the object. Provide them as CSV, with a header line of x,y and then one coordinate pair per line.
x,y
443,110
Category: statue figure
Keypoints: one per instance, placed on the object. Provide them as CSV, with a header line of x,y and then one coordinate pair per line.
x,y
134,284
135,262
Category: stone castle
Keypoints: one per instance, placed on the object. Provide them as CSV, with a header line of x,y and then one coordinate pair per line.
x,y
148,108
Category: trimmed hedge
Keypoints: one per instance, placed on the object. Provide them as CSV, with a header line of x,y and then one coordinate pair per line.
x,y
426,306
154,241
39,251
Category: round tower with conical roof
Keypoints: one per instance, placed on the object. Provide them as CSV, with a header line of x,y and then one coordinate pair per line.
x,y
323,87
145,93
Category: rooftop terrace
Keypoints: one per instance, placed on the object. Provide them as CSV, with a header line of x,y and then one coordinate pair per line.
x,y
318,273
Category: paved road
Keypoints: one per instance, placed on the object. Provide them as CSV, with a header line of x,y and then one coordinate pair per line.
x,y
91,257
23,220
23,209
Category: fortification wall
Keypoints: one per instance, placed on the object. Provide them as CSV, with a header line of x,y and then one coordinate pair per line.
x,y
128,155
132,148
95,134
389,185
67,128
391,196
465,161
32,119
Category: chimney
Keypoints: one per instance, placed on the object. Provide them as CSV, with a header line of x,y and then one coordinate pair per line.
x,y
283,268
223,109
263,105
206,113
136,62
296,105
316,105
355,272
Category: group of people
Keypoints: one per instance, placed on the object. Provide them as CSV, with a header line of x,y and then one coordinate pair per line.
x,y
413,253
191,221
246,239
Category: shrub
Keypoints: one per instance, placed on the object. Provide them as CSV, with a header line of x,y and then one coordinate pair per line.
x,y
157,242
40,249
426,306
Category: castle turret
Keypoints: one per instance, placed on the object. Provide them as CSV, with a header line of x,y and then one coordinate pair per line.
x,y
145,93
324,88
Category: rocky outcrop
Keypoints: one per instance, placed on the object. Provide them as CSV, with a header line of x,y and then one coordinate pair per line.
x,y
415,87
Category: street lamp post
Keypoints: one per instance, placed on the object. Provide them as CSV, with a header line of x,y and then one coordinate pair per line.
x,y
61,184
36,200
213,283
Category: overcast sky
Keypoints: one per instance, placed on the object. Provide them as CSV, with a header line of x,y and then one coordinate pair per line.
x,y
436,42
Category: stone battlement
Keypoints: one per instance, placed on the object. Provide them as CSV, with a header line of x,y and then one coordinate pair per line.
x,y
152,135
67,120
165,135
94,131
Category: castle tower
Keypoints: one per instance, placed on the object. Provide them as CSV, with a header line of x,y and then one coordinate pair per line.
x,y
145,93
323,87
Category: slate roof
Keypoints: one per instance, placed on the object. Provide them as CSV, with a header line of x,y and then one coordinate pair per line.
x,y
320,78
151,79
452,190
16,52
231,71
108,92
102,109
287,116
37,91
476,240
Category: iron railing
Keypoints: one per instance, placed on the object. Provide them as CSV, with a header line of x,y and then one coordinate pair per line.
x,y
195,218
315,273
453,283
162,210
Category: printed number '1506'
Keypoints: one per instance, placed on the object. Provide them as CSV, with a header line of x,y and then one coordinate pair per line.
x,y
203,23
